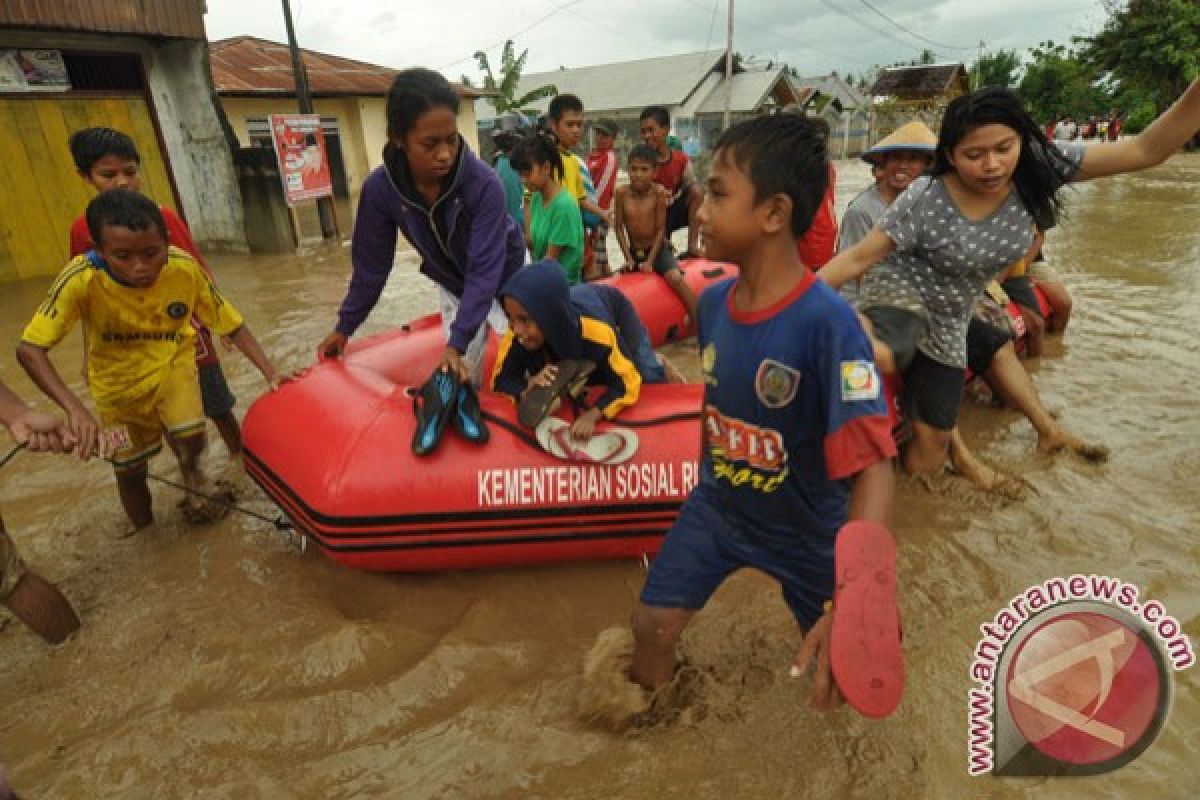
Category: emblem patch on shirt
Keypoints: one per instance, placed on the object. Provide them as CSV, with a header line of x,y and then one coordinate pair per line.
x,y
177,310
775,383
859,381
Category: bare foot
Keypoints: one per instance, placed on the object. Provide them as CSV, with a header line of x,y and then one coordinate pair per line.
x,y
993,481
206,503
1062,440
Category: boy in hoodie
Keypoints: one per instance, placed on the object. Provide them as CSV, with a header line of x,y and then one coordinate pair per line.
x,y
551,322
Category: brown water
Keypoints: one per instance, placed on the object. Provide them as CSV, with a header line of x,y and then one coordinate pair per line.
x,y
221,662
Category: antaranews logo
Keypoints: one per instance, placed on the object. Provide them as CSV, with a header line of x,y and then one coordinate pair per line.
x,y
1073,677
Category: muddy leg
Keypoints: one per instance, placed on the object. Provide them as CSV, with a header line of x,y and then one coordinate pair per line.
x,y
231,433
40,605
656,633
1009,377
135,496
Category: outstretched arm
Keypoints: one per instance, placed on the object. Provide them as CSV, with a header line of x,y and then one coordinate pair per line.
x,y
1149,148
83,426
852,264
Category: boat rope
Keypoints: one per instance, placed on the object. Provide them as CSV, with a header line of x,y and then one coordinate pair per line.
x,y
532,441
281,522
9,457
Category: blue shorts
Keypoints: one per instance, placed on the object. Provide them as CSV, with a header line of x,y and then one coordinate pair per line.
x,y
706,545
214,391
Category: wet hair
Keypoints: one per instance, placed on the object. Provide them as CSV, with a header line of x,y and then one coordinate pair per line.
x,y
657,113
561,104
92,144
413,92
643,152
122,207
781,154
536,148
1038,174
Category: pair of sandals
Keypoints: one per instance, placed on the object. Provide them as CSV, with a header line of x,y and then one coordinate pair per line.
x,y
441,399
538,402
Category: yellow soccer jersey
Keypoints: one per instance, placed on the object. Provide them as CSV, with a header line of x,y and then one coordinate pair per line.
x,y
133,335
572,179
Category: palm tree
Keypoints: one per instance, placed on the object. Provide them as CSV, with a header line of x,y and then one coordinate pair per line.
x,y
510,77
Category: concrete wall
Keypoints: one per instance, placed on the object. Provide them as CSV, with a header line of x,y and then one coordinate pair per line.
x,y
200,162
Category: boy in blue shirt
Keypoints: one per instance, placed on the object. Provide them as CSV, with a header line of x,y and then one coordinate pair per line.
x,y
796,440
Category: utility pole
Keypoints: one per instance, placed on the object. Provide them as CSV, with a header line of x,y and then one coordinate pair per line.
x,y
324,204
728,68
978,66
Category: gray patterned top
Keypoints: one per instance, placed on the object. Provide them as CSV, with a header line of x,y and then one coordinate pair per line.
x,y
943,260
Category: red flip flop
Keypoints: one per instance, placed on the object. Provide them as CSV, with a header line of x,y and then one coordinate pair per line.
x,y
864,644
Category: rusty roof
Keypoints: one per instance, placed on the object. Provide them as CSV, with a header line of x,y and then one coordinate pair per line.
x,y
247,65
920,81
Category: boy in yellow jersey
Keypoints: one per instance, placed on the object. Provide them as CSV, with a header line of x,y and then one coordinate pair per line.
x,y
136,297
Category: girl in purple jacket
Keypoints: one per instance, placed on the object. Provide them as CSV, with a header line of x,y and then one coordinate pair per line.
x,y
451,208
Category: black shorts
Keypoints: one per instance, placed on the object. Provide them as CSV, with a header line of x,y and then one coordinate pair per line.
x,y
677,212
664,262
933,392
984,340
900,330
1020,291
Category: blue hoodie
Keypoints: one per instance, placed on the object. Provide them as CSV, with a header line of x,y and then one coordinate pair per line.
x,y
570,331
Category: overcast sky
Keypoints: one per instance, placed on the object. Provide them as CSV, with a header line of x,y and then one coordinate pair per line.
x,y
815,36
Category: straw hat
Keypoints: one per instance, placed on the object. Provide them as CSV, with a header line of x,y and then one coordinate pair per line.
x,y
914,136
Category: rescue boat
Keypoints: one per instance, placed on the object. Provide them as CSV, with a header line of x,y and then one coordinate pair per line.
x,y
331,448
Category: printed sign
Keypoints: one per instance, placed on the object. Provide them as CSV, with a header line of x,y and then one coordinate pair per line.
x,y
300,151
33,71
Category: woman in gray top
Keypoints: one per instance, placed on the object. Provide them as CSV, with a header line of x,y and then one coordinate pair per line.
x,y
994,178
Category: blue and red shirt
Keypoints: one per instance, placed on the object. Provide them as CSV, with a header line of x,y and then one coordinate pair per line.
x,y
793,407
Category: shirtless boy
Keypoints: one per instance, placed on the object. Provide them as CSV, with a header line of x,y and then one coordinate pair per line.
x,y
640,220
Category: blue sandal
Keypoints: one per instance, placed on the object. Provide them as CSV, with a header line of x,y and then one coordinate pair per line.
x,y
468,417
437,401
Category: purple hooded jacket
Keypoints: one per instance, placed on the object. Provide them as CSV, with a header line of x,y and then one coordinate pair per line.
x,y
468,243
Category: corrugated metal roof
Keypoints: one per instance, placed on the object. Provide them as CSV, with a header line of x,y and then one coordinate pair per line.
x,y
919,82
749,91
833,86
245,65
666,81
180,18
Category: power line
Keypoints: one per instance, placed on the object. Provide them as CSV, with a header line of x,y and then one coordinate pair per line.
x,y
526,29
711,22
914,33
777,34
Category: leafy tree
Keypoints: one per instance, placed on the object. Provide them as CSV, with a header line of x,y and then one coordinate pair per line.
x,y
1151,46
511,67
996,69
1057,84
465,80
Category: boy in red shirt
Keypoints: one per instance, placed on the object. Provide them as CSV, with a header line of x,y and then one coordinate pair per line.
x,y
108,159
602,164
674,173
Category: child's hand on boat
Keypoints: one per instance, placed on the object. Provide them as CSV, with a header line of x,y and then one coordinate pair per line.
x,y
332,346
585,424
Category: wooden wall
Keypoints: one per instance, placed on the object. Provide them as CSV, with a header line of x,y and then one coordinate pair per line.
x,y
178,18
41,192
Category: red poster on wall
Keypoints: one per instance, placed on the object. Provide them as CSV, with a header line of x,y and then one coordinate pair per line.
x,y
300,151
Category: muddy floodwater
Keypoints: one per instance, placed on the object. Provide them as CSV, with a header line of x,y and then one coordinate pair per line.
x,y
222,662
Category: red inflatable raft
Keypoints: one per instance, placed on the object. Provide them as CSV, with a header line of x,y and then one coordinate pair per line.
x,y
332,448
